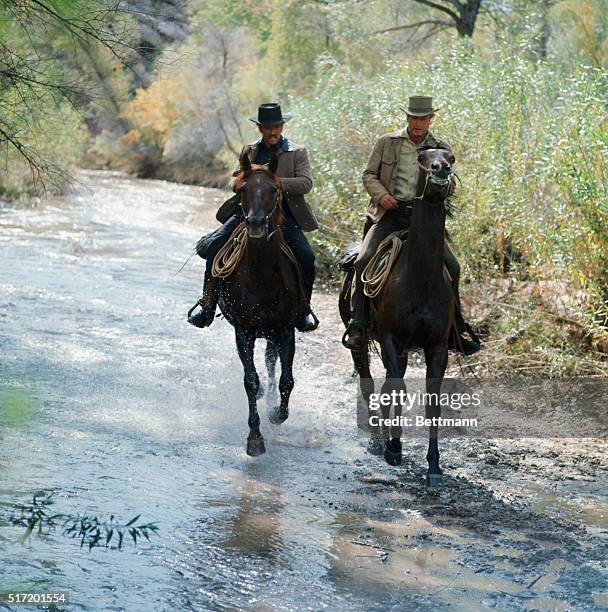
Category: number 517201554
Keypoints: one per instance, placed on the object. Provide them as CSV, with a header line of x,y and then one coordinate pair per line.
x,y
24,597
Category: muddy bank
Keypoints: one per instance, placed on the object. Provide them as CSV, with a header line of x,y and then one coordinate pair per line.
x,y
516,524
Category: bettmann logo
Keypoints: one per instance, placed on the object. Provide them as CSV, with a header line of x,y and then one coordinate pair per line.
x,y
420,421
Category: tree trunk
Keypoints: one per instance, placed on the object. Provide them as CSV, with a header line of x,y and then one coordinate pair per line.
x,y
468,16
545,31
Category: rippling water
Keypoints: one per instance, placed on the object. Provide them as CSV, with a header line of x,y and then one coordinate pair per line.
x,y
124,408
112,403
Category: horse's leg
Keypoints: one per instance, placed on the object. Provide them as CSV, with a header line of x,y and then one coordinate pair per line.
x,y
393,361
272,354
375,444
436,359
287,349
244,345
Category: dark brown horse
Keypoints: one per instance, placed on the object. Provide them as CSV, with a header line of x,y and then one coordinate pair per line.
x,y
262,296
414,310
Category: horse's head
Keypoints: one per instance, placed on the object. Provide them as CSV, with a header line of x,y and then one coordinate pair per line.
x,y
261,195
436,172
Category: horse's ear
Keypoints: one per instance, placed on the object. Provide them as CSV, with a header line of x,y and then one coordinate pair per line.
x,y
273,164
245,163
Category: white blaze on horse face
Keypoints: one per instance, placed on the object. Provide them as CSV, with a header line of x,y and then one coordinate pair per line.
x,y
435,169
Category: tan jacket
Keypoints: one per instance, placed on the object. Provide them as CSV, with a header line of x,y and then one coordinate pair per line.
x,y
296,180
379,175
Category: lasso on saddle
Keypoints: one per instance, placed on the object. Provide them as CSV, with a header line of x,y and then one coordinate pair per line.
x,y
376,272
229,256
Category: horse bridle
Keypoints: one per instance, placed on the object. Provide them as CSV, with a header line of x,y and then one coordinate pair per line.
x,y
268,216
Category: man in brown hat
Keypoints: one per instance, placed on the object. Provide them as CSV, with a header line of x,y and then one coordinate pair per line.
x,y
391,178
295,175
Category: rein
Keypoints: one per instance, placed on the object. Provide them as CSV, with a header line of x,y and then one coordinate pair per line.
x,y
269,215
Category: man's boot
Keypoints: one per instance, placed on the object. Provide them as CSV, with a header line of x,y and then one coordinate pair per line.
x,y
457,341
355,336
307,322
207,302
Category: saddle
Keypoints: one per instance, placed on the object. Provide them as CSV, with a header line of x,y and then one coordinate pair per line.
x,y
350,254
347,259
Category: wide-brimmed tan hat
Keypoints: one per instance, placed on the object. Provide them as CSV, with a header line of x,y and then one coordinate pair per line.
x,y
420,106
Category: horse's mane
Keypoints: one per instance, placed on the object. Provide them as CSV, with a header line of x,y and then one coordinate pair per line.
x,y
240,179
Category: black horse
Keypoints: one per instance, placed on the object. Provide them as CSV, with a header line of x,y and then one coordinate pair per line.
x,y
415,309
263,296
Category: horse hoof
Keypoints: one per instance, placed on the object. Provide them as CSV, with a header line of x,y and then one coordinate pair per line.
x,y
392,452
255,447
433,480
278,415
375,446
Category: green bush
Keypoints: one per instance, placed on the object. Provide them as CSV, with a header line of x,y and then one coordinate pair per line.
x,y
57,144
530,143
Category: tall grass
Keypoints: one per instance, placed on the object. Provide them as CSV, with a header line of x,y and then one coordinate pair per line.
x,y
530,141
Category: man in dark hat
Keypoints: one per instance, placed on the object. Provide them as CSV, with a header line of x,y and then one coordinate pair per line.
x,y
391,178
295,175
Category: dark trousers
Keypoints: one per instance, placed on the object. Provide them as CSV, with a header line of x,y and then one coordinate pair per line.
x,y
301,248
293,235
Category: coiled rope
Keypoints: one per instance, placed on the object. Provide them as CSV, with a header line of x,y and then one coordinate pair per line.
x,y
229,256
379,267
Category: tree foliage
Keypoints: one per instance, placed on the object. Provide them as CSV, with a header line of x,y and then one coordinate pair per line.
x,y
46,49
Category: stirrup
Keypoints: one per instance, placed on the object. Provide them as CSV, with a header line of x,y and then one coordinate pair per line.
x,y
352,325
315,322
205,317
199,302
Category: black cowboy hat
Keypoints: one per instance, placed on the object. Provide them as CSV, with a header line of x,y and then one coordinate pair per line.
x,y
270,115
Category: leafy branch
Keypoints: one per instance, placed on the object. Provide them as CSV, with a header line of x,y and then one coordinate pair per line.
x,y
38,56
37,519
